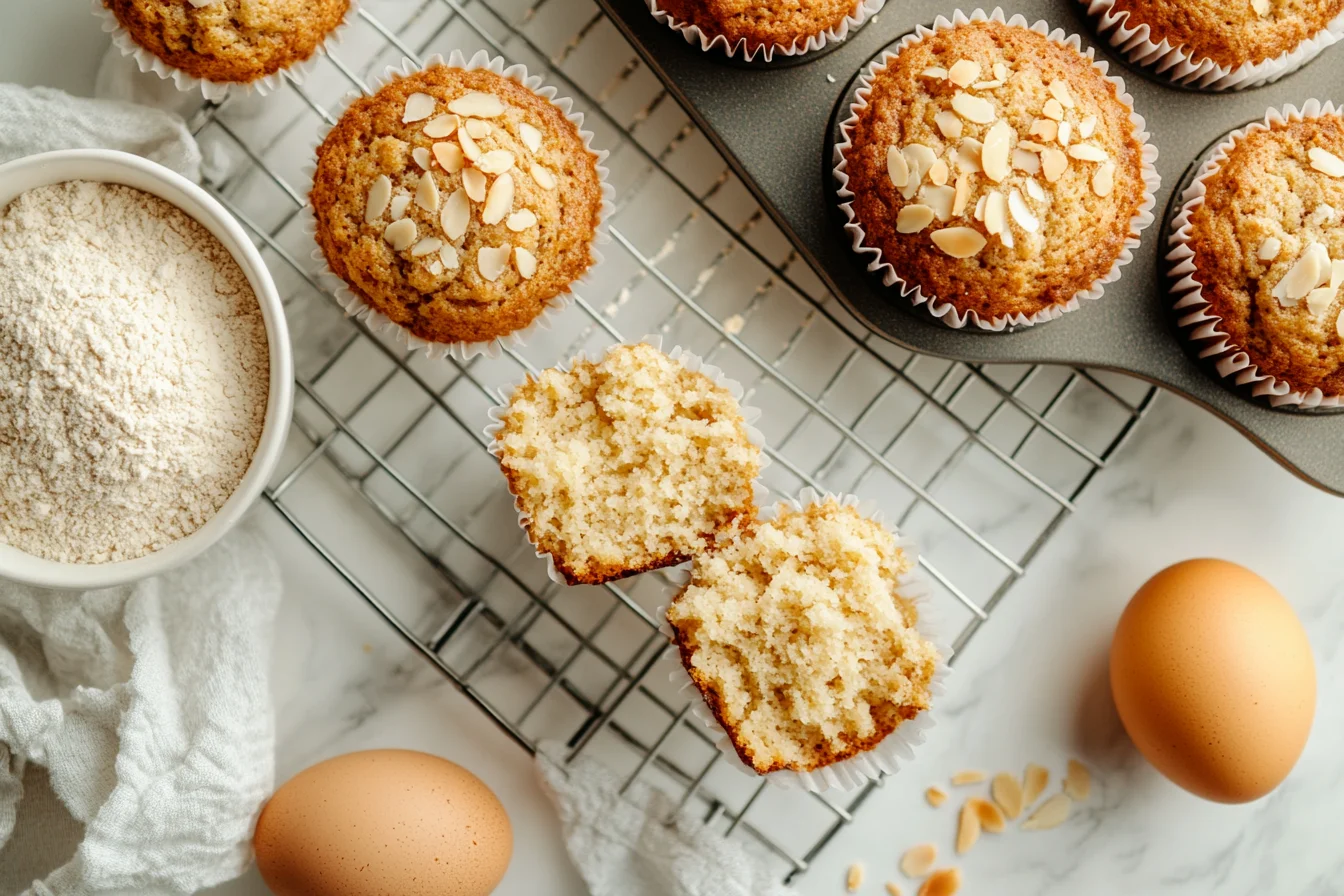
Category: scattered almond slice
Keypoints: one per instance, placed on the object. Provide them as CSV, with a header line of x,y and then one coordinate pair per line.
x,y
913,218
448,256
526,262
960,197
1025,161
1034,781
1060,91
897,168
968,156
1103,180
477,105
499,201
544,178
1086,152
441,126
940,199
1339,325
1053,109
996,221
478,129
436,268
1320,299
968,827
1044,128
892,889
419,106
456,215
1050,814
1087,127
1304,276
1326,162
943,882
1035,191
449,157
1063,133
854,878
990,815
919,159
496,161
420,155
398,206
967,776
964,72
1000,71
973,108
918,859
380,194
1077,781
491,261
980,207
530,136
958,242
473,182
938,172
426,246
1324,214
400,234
521,220
994,155
469,147
986,85
427,193
1053,164
1336,274
936,795
949,125
935,72
1005,788
1261,7
1021,213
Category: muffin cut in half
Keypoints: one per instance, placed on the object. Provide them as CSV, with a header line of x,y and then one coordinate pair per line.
x,y
796,633
626,464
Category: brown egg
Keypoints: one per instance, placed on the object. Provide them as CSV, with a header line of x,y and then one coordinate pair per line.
x,y
1213,678
383,821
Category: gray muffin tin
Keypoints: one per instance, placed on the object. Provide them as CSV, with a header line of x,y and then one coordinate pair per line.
x,y
775,123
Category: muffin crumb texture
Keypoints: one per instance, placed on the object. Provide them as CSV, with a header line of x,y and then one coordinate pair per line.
x,y
626,464
1232,33
778,24
1269,250
995,169
796,633
229,40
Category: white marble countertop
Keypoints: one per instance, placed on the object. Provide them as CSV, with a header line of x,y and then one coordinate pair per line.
x,y
1031,687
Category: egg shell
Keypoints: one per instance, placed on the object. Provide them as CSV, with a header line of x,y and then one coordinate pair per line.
x,y
382,822
1213,678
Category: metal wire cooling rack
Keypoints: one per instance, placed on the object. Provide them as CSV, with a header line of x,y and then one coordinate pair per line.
x,y
387,477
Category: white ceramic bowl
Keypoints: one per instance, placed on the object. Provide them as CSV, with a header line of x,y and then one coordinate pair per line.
x,y
108,166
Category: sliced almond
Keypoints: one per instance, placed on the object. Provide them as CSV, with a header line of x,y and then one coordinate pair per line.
x,y
436,268
544,178
990,815
1087,127
960,197
919,158
918,859
1086,152
1025,161
980,207
491,261
938,172
1021,213
968,828
958,242
530,136
526,262
477,105
986,85
397,208
473,182
448,256
441,126
994,155
456,215
449,157
419,106
427,193
854,878
949,125
1053,109
478,129
420,155
499,201
936,795
1007,792
1044,128
400,234
1001,71
968,156
496,161
1053,164
1034,781
1261,7
943,882
1077,781
1035,191
469,147
1031,146
1326,162
380,194
425,246
1336,274
1050,814
1324,214
1063,133
1319,301
521,220
935,72
897,168
1060,91
1339,325
973,108
892,889
1103,180
996,221
1269,249
963,72
913,218
939,199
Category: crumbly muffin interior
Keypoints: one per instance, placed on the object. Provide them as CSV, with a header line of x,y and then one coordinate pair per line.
x,y
626,464
1234,33
795,631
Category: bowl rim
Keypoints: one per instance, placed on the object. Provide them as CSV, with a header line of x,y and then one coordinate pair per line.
x,y
114,166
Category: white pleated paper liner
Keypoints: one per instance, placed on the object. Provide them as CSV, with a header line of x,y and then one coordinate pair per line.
x,y
946,312
1177,64
215,91
357,307
1195,318
694,35
898,746
686,359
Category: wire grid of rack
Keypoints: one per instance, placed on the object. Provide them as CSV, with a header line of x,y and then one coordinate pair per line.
x,y
386,474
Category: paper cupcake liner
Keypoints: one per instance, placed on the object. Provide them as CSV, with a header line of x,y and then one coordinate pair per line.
x,y
863,10
691,362
1178,65
898,746
945,311
1194,316
215,91
355,305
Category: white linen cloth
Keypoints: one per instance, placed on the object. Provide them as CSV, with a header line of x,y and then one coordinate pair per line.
x,y
638,844
138,718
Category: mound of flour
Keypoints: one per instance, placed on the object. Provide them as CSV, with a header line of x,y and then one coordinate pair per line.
x,y
133,373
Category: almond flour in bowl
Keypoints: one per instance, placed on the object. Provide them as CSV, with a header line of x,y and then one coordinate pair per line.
x,y
134,373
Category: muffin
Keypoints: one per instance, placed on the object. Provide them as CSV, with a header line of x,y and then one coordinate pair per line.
x,y
1218,44
626,464
798,26
229,41
798,634
1260,243
994,173
457,203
